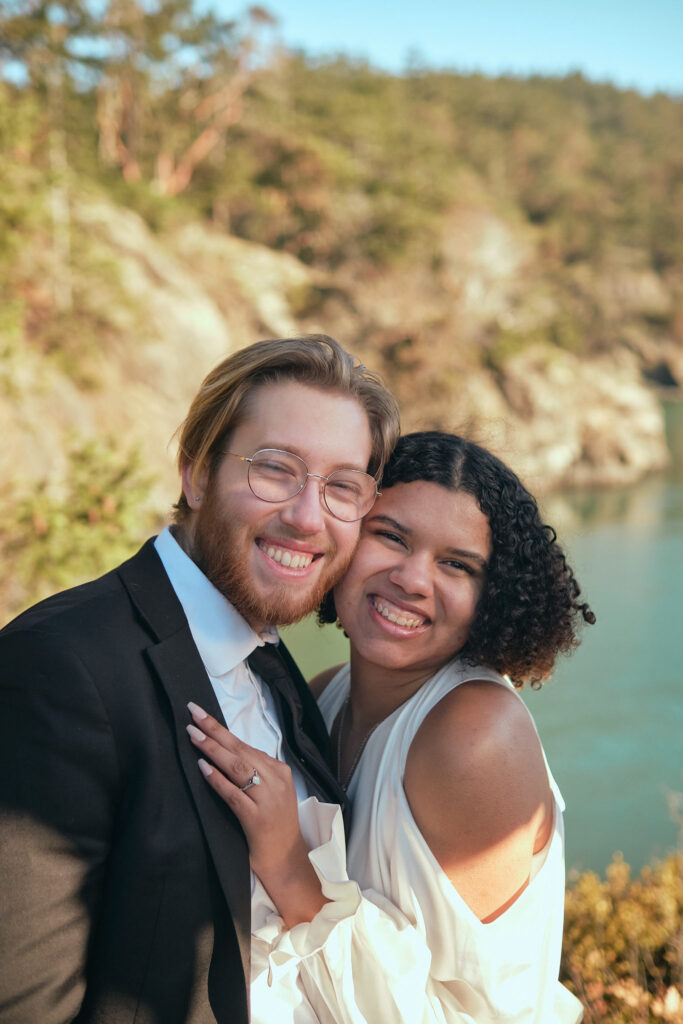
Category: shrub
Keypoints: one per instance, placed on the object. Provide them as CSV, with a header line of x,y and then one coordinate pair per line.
x,y
623,948
58,535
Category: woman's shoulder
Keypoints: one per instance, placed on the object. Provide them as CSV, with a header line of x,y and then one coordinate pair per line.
x,y
478,720
320,682
478,789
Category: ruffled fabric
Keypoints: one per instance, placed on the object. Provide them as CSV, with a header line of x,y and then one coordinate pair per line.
x,y
327,969
360,960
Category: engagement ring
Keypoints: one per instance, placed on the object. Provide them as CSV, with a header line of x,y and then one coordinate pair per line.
x,y
255,780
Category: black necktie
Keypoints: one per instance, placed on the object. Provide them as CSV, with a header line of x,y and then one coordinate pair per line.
x,y
304,733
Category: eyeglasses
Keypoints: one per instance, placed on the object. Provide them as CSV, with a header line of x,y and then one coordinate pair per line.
x,y
274,475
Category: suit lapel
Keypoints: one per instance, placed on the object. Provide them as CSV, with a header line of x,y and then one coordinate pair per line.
x,y
180,670
184,678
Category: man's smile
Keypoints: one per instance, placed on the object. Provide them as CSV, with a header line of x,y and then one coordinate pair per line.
x,y
287,556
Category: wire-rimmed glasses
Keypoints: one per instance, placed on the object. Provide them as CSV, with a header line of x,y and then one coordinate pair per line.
x,y
274,475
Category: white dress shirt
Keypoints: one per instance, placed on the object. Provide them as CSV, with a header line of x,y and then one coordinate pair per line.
x,y
224,641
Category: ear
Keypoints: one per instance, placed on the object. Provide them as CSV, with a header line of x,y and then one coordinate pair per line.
x,y
194,485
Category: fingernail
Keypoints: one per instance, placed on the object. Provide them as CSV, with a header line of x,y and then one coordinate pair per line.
x,y
195,710
204,768
196,733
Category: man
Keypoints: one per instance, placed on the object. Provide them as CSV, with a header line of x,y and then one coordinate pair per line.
x,y
126,884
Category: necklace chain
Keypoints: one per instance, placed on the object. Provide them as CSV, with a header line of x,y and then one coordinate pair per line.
x,y
341,722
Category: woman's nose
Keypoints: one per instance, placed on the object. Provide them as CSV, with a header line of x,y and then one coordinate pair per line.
x,y
412,574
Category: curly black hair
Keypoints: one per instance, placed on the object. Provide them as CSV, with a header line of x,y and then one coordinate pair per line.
x,y
529,611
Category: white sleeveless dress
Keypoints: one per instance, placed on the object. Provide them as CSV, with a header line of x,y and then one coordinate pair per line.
x,y
398,945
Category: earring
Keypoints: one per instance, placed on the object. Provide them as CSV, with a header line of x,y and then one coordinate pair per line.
x,y
197,498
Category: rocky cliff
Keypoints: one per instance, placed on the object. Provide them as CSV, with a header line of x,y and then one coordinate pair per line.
x,y
167,307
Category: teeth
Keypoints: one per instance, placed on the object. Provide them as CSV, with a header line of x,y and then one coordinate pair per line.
x,y
287,558
400,620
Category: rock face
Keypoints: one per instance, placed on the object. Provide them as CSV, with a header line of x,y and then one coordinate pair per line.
x,y
177,321
563,421
195,296
489,347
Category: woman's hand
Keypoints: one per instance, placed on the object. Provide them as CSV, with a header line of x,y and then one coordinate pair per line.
x,y
267,811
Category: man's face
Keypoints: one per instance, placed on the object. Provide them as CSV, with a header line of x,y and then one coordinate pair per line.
x,y
240,542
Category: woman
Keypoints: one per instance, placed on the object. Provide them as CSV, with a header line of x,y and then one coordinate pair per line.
x,y
456,842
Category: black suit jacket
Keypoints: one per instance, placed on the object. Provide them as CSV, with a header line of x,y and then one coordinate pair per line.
x,y
124,879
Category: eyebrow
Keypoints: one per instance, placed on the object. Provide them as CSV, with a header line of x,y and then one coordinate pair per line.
x,y
473,556
297,451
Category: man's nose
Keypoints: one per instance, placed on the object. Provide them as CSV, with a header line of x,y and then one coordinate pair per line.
x,y
305,511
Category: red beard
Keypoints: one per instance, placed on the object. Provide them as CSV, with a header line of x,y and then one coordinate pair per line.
x,y
220,548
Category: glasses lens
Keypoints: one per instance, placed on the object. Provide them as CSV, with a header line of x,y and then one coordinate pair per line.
x,y
350,494
276,476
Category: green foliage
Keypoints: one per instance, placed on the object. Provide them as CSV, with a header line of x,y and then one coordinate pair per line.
x,y
21,201
345,167
623,943
99,308
59,535
47,35
335,161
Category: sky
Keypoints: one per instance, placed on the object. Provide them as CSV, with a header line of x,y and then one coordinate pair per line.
x,y
632,43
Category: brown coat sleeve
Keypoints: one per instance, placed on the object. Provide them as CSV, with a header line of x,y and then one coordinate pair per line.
x,y
58,785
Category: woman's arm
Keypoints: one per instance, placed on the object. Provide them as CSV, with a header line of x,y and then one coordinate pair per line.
x,y
268,813
478,789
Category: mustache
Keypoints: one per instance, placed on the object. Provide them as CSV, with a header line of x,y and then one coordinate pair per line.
x,y
221,549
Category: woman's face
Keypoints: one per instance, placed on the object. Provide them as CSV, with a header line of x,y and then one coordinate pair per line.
x,y
409,597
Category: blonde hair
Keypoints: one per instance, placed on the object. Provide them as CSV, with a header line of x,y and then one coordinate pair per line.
x,y
317,360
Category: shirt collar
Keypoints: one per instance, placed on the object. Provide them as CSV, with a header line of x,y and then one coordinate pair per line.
x,y
223,637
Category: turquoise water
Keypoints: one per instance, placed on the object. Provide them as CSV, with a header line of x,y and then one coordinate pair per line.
x,y
611,718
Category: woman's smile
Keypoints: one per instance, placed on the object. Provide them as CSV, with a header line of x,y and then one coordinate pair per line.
x,y
395,614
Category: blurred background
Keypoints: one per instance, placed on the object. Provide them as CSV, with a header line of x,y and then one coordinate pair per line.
x,y
485,203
